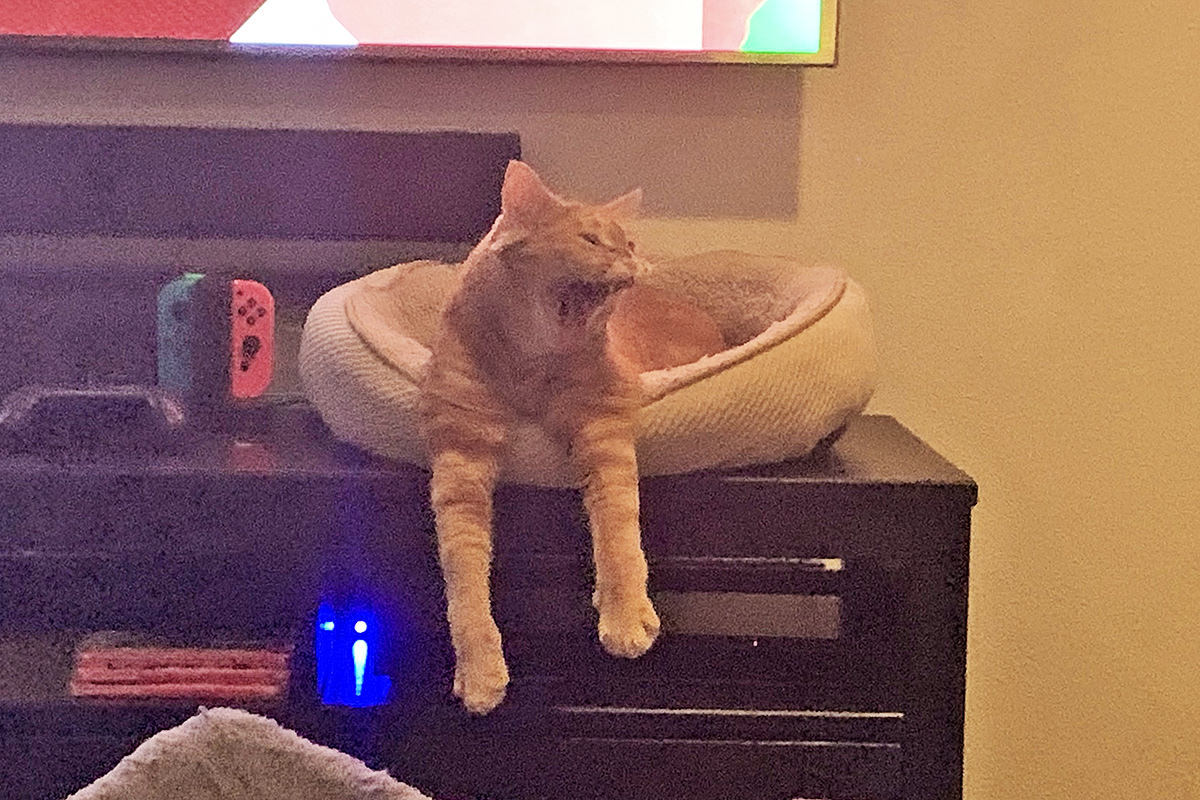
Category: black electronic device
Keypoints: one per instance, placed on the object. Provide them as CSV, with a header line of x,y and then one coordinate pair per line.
x,y
118,417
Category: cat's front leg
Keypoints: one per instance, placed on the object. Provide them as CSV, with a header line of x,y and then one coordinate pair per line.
x,y
461,494
603,450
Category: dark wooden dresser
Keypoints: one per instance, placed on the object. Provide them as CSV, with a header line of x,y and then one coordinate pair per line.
x,y
814,618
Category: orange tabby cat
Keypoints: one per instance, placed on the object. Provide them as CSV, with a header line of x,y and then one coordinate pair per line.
x,y
654,329
525,337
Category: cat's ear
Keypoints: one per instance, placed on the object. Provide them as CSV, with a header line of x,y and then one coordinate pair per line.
x,y
524,198
626,206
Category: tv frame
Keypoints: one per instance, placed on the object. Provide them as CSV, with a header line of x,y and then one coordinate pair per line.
x,y
826,56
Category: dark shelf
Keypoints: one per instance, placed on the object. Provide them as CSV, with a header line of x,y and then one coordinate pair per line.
x,y
245,534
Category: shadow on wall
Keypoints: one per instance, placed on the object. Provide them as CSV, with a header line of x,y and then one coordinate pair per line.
x,y
703,140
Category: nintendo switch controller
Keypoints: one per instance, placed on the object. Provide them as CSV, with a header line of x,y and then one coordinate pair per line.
x,y
216,339
252,340
193,327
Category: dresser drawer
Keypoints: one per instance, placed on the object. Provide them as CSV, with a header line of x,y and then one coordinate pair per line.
x,y
581,766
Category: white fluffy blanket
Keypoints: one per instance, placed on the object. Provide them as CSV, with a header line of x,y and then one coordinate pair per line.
x,y
228,754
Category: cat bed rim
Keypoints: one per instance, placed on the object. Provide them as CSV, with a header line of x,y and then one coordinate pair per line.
x,y
764,402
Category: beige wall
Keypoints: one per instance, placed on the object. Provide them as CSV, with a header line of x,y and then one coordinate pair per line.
x,y
1020,191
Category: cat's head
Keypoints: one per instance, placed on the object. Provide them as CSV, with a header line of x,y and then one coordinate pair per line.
x,y
571,257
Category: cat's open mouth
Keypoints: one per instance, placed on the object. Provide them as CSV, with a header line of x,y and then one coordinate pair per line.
x,y
577,300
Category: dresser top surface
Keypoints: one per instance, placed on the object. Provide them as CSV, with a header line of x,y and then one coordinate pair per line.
x,y
872,450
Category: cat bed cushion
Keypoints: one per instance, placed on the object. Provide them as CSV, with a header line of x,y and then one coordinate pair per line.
x,y
800,362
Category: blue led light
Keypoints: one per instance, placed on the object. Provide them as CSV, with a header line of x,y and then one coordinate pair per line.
x,y
359,651
347,661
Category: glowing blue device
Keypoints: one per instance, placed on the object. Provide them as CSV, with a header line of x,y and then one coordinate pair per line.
x,y
348,642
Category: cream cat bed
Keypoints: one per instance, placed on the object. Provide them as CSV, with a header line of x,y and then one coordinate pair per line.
x,y
801,362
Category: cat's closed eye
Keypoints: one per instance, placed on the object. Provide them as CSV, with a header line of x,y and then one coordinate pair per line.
x,y
590,238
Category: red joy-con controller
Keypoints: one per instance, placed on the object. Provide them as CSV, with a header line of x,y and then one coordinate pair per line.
x,y
252,356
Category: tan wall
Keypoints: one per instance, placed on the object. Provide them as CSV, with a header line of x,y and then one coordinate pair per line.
x,y
1020,191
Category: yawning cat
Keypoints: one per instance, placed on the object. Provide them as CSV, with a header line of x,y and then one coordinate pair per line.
x,y
525,337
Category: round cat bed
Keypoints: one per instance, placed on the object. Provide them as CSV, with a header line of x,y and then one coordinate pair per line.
x,y
801,362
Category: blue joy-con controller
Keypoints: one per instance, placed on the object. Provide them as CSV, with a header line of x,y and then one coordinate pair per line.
x,y
193,332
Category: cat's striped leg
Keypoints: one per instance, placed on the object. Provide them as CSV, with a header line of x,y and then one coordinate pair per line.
x,y
603,450
464,475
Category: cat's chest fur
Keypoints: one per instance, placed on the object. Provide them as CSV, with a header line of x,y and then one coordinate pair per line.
x,y
529,365
538,382
529,391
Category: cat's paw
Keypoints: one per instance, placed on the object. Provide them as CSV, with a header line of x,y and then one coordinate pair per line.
x,y
481,682
627,627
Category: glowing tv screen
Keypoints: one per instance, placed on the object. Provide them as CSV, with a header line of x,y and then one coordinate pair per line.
x,y
756,31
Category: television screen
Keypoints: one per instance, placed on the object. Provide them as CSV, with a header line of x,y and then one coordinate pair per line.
x,y
768,31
